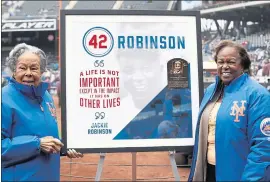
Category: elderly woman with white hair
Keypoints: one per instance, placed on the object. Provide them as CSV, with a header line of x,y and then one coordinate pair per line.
x,y
30,141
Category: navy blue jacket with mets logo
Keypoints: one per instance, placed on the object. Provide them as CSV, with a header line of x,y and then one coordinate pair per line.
x,y
242,135
28,114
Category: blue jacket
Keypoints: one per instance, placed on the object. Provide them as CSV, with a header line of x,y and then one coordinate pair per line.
x,y
242,136
28,113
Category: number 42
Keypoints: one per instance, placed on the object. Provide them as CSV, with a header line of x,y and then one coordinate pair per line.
x,y
98,42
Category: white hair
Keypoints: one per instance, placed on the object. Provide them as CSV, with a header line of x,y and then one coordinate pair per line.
x,y
19,49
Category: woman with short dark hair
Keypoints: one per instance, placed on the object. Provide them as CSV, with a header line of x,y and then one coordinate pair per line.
x,y
233,131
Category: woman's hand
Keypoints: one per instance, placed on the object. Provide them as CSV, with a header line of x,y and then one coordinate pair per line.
x,y
71,153
50,145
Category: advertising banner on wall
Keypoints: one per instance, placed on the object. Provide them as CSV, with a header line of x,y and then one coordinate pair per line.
x,y
131,81
28,25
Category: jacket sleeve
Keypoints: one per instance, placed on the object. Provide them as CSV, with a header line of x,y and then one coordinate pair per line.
x,y
19,148
258,160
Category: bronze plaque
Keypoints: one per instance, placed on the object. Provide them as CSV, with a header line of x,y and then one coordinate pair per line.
x,y
177,70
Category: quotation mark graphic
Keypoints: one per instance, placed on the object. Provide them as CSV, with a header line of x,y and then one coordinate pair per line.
x,y
99,115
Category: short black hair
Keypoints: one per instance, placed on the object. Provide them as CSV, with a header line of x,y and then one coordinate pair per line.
x,y
245,60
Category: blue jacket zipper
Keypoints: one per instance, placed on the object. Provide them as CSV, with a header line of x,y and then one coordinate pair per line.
x,y
216,130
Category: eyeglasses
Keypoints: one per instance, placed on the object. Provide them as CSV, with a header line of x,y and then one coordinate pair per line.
x,y
231,61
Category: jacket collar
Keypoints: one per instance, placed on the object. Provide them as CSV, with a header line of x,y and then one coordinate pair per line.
x,y
31,91
235,84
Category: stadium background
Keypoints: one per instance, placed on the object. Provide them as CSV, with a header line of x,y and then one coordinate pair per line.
x,y
242,21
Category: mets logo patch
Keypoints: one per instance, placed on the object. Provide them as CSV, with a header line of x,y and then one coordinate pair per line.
x,y
265,126
52,109
237,110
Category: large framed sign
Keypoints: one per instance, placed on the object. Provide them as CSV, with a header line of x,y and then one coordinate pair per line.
x,y
131,80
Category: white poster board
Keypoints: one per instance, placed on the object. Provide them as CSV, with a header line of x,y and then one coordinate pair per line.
x,y
131,81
